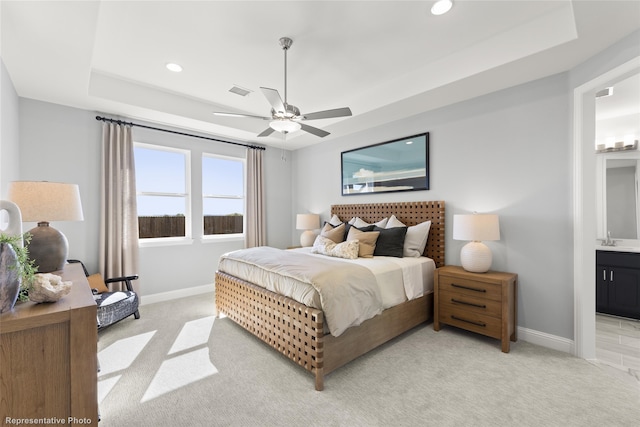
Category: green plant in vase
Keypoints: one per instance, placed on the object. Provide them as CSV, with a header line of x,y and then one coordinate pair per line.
x,y
25,266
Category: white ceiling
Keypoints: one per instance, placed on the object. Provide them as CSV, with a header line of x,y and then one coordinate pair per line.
x,y
383,59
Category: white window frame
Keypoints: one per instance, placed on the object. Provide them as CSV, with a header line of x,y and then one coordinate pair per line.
x,y
187,238
234,236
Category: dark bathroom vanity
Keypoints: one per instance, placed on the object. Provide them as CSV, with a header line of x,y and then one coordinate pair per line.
x,y
618,283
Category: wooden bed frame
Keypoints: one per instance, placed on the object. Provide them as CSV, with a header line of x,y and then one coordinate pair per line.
x,y
297,331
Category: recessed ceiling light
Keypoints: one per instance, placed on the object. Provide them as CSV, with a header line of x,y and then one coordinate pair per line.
x,y
441,7
176,68
239,90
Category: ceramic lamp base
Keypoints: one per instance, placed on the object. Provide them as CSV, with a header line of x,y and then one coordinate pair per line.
x,y
307,238
476,257
48,248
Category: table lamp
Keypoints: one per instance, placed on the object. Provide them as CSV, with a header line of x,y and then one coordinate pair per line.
x,y
475,256
307,222
41,202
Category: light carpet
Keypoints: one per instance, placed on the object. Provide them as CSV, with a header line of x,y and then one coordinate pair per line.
x,y
179,366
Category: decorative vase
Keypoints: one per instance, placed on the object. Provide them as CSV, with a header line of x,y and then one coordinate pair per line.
x,y
9,277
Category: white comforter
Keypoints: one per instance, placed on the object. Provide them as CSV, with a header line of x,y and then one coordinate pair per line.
x,y
348,291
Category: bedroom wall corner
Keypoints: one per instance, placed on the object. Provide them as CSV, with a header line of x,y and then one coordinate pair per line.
x,y
279,193
9,132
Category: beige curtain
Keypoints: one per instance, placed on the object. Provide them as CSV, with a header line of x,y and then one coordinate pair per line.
x,y
119,214
255,234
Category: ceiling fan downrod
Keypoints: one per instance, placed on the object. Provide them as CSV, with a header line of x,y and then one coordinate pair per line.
x,y
286,43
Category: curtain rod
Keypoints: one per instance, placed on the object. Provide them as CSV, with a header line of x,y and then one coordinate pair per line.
x,y
120,122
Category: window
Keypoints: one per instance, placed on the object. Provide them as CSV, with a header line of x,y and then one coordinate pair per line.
x,y
223,195
162,187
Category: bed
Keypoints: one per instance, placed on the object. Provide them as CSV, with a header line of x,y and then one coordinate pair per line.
x,y
299,332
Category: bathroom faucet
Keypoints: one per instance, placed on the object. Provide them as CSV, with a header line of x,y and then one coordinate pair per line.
x,y
608,241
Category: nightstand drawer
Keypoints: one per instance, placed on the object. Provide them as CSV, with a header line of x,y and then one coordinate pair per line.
x,y
473,288
471,321
471,303
485,303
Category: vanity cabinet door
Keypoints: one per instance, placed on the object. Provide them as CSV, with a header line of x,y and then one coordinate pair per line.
x,y
624,291
618,291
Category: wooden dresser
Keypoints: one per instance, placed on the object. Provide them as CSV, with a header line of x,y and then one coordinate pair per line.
x,y
48,358
479,302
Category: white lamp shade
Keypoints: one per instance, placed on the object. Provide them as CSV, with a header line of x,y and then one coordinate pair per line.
x,y
476,227
287,126
475,256
307,221
41,201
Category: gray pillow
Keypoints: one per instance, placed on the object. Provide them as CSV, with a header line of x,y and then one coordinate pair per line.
x,y
390,241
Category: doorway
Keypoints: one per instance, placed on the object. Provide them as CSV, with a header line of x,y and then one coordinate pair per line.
x,y
584,201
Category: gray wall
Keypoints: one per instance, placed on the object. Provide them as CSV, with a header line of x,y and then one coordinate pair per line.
x,y
62,144
506,153
510,153
9,135
59,143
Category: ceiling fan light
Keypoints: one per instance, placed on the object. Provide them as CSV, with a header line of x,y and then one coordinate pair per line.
x,y
283,126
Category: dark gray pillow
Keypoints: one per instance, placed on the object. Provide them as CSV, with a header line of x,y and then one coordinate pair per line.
x,y
390,241
348,227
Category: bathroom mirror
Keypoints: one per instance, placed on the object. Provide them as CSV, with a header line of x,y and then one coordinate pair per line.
x,y
622,198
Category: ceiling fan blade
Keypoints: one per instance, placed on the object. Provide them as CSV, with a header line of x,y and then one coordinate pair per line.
x,y
274,98
222,114
327,114
266,132
317,132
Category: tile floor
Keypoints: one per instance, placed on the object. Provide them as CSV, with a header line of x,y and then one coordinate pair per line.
x,y
618,346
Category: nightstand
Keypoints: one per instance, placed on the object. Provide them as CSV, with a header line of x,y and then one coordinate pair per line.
x,y
484,303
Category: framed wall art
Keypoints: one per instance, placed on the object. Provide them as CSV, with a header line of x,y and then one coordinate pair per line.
x,y
398,165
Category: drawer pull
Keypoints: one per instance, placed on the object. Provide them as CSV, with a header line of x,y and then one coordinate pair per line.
x,y
477,323
468,288
457,301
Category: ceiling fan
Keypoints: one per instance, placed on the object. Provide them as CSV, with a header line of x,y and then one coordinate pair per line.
x,y
286,118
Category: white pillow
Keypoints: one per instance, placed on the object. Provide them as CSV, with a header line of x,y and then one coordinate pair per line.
x,y
394,222
324,246
113,298
335,221
416,238
359,223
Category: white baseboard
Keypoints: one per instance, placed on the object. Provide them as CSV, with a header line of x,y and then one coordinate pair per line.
x,y
546,340
180,293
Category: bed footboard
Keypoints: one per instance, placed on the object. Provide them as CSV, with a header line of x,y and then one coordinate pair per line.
x,y
293,329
